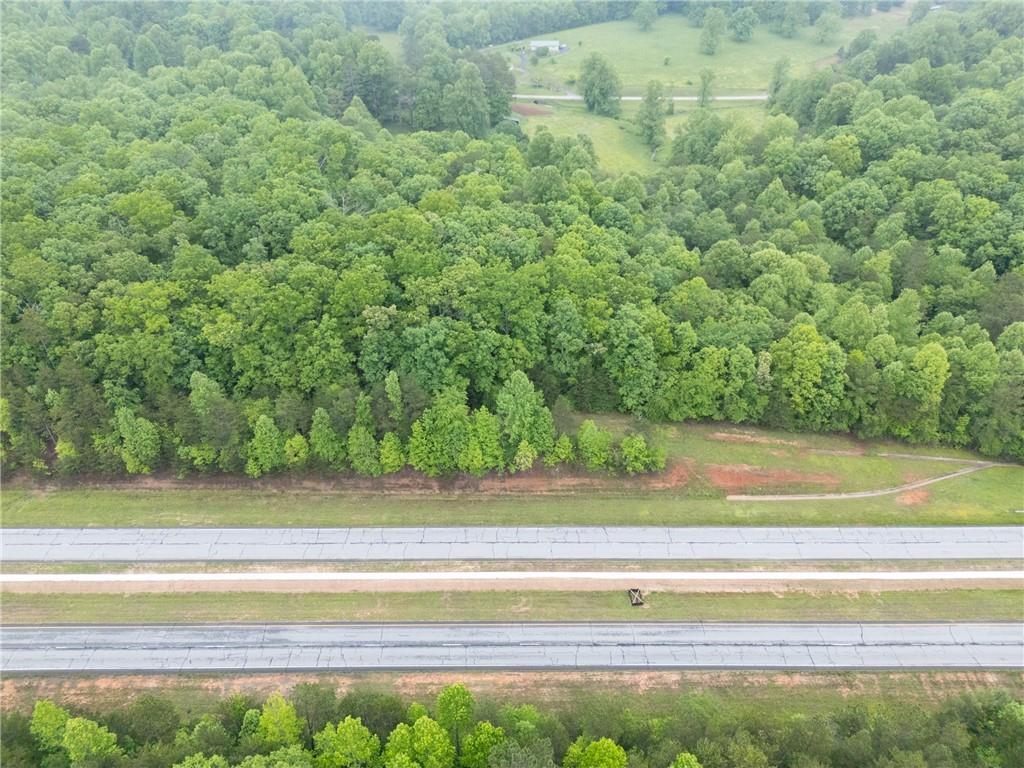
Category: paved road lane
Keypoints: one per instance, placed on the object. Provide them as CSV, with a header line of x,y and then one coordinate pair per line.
x,y
513,543
430,646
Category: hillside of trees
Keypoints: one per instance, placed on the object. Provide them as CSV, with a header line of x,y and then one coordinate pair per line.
x,y
243,237
369,729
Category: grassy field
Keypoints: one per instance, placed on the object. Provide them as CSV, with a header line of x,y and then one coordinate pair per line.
x,y
616,141
199,607
986,498
639,57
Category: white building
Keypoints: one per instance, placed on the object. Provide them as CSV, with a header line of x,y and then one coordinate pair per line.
x,y
553,46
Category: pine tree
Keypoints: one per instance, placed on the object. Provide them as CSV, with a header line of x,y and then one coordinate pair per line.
x,y
392,458
265,452
324,443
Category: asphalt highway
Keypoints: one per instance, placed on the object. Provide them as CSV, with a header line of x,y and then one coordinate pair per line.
x,y
511,543
524,646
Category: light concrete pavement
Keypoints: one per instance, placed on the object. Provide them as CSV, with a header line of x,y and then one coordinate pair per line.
x,y
512,543
416,581
433,646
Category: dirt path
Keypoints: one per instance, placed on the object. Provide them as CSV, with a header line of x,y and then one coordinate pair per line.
x,y
867,494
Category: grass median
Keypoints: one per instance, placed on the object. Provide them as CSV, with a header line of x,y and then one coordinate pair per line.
x,y
790,605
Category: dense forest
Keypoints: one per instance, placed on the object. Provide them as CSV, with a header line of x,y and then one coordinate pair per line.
x,y
370,729
246,237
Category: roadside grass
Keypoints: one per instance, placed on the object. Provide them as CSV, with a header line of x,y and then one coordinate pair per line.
x,y
794,605
640,56
988,497
992,496
784,693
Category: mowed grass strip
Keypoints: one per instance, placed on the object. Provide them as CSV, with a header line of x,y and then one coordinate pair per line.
x,y
989,497
802,463
817,605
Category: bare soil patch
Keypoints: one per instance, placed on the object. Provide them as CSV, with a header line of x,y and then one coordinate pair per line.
x,y
913,498
741,477
530,109
539,480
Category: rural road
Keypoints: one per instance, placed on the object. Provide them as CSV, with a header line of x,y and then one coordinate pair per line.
x,y
511,543
433,646
576,97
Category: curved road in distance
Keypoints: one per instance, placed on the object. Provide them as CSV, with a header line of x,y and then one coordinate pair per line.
x,y
576,97
510,543
511,646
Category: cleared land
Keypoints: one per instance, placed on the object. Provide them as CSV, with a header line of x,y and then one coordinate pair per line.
x,y
616,141
706,462
991,497
639,57
776,605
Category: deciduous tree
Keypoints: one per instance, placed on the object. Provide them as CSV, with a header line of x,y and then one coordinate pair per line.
x,y
600,85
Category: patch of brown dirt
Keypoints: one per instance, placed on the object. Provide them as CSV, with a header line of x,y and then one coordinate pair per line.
x,y
675,475
744,477
913,498
530,109
536,481
747,437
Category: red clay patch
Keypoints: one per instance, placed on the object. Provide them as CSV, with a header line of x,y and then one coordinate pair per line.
x,y
530,109
743,477
913,498
675,476
537,481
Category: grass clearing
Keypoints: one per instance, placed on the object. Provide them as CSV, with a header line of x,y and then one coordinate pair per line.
x,y
616,140
978,499
713,456
792,605
640,56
